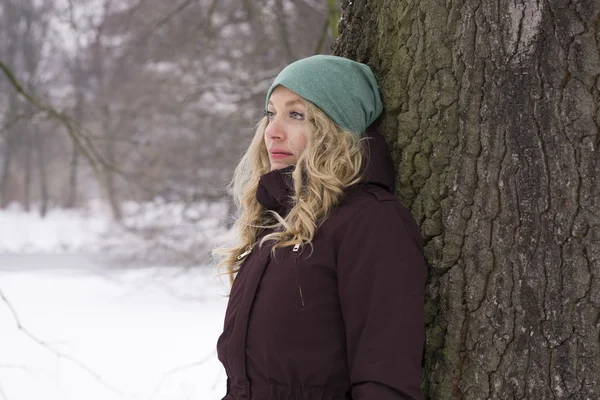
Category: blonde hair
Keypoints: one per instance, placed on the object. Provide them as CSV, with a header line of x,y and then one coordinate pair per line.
x,y
332,160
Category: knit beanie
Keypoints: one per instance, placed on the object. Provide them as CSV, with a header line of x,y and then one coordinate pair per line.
x,y
343,89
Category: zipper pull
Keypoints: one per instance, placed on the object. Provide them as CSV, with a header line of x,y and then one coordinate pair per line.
x,y
296,247
244,254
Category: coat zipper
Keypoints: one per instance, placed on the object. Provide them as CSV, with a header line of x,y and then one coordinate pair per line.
x,y
245,253
295,250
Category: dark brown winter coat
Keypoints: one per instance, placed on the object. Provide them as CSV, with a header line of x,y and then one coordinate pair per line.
x,y
343,320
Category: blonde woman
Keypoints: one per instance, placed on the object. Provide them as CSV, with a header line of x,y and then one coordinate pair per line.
x,y
328,279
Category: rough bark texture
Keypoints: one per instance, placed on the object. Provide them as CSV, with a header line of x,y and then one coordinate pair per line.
x,y
493,112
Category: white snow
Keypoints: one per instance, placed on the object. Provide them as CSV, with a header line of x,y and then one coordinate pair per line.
x,y
107,332
61,231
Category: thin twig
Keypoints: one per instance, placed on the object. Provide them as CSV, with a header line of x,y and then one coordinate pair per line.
x,y
9,123
26,368
57,353
2,394
163,21
178,369
216,382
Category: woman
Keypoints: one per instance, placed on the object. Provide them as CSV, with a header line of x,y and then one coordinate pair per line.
x,y
327,300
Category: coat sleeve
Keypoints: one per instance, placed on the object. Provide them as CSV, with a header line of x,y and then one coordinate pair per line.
x,y
381,282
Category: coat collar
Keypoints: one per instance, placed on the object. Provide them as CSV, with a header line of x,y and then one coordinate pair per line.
x,y
276,189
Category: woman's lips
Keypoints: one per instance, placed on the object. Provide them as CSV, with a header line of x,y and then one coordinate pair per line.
x,y
279,155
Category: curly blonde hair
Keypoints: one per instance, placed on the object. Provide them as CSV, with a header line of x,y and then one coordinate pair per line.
x,y
332,160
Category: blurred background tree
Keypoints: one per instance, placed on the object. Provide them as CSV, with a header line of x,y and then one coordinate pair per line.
x,y
136,102
163,95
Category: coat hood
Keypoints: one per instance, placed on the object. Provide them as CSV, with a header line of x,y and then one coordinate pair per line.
x,y
276,187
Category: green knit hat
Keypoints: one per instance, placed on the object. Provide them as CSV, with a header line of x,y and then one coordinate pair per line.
x,y
343,89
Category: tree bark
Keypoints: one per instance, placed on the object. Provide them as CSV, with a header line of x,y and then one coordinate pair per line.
x,y
492,110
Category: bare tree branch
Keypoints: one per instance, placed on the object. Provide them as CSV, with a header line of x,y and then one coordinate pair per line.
x,y
206,25
2,394
131,12
14,120
179,369
81,141
93,157
214,385
163,21
27,368
58,353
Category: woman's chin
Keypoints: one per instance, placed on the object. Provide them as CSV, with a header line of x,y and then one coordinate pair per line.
x,y
277,165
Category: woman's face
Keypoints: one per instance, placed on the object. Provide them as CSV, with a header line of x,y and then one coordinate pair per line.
x,y
285,134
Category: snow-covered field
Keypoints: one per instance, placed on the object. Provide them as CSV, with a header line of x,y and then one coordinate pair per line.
x,y
73,327
60,231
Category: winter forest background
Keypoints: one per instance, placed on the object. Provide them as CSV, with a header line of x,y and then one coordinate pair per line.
x,y
120,125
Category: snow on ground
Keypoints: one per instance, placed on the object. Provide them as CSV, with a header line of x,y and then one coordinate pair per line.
x,y
61,231
108,333
159,232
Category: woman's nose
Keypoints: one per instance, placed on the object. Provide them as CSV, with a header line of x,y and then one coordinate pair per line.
x,y
275,129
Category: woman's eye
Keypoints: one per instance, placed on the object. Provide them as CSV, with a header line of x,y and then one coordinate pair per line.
x,y
269,114
296,115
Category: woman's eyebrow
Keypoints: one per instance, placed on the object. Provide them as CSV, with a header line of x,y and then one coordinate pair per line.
x,y
289,102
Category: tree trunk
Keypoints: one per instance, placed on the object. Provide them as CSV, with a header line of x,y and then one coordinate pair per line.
x,y
78,115
109,176
283,31
5,198
71,200
28,152
493,113
10,147
41,164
